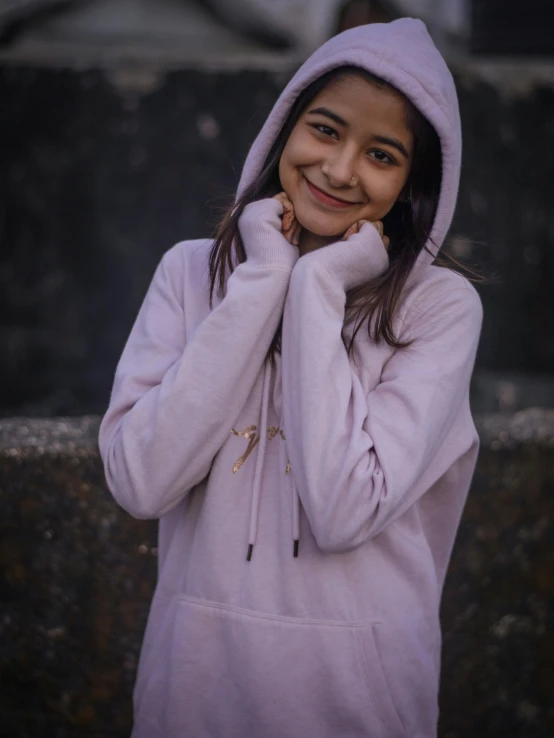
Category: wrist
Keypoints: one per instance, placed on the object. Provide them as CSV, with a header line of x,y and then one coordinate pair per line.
x,y
361,258
261,231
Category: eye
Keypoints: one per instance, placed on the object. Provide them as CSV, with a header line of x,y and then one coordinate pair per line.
x,y
325,130
382,156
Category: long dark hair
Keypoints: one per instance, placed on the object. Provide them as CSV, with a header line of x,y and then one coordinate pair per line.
x,y
408,224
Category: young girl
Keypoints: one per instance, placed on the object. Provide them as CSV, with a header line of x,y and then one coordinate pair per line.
x,y
292,404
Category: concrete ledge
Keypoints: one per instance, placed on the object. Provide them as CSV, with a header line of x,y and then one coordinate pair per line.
x,y
78,575
503,430
38,436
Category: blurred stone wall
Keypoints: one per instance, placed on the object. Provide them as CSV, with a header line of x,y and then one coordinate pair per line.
x,y
99,179
77,580
78,575
103,171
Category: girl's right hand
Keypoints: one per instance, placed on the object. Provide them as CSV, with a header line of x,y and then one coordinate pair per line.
x,y
261,228
290,226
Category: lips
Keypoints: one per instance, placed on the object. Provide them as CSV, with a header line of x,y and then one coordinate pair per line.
x,y
329,200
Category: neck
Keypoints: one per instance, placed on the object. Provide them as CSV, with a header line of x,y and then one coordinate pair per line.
x,y
311,242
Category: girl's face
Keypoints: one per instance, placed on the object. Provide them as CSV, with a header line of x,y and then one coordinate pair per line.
x,y
348,157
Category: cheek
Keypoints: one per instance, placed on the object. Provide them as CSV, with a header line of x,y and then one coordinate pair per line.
x,y
287,171
298,153
382,194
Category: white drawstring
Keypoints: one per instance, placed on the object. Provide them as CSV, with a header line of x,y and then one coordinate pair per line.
x,y
256,491
257,486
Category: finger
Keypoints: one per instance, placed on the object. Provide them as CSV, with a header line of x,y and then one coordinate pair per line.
x,y
378,224
386,241
288,213
290,234
347,234
353,229
284,200
288,219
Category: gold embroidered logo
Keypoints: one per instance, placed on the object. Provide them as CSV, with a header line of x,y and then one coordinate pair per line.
x,y
250,435
253,439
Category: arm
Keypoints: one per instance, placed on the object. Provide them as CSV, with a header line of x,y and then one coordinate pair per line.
x,y
175,400
357,459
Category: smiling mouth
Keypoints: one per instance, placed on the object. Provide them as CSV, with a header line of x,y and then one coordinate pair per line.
x,y
327,199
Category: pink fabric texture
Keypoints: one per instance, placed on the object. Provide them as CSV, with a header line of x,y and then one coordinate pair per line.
x,y
361,467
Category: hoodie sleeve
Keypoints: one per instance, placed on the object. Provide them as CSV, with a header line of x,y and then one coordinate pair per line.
x,y
174,400
357,458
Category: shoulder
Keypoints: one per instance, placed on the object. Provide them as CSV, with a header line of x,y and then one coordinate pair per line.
x,y
441,296
186,263
439,285
193,253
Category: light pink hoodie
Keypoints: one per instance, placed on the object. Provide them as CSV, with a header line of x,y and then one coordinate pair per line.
x,y
367,464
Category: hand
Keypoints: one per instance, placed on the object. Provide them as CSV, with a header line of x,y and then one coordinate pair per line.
x,y
291,227
260,226
356,227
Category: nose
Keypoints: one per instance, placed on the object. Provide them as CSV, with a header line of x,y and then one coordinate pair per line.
x,y
340,168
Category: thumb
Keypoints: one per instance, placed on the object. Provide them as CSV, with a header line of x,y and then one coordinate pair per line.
x,y
354,228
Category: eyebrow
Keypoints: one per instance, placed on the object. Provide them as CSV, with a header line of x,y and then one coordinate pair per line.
x,y
329,114
395,143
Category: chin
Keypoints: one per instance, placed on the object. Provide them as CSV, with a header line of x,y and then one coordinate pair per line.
x,y
318,223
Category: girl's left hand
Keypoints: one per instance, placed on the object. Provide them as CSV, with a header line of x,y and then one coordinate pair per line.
x,y
356,227
291,227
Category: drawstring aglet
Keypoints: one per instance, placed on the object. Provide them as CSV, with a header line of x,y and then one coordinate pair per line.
x,y
296,548
249,554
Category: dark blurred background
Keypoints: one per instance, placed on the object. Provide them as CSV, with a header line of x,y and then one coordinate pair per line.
x,y
123,128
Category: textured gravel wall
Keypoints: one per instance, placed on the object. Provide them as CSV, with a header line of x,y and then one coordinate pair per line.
x,y
78,574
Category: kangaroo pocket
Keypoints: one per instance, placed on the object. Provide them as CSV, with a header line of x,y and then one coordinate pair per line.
x,y
233,672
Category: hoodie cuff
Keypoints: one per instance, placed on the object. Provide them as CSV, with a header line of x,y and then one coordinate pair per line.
x,y
260,227
350,263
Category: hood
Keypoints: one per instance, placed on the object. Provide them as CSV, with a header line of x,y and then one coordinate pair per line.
x,y
403,54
